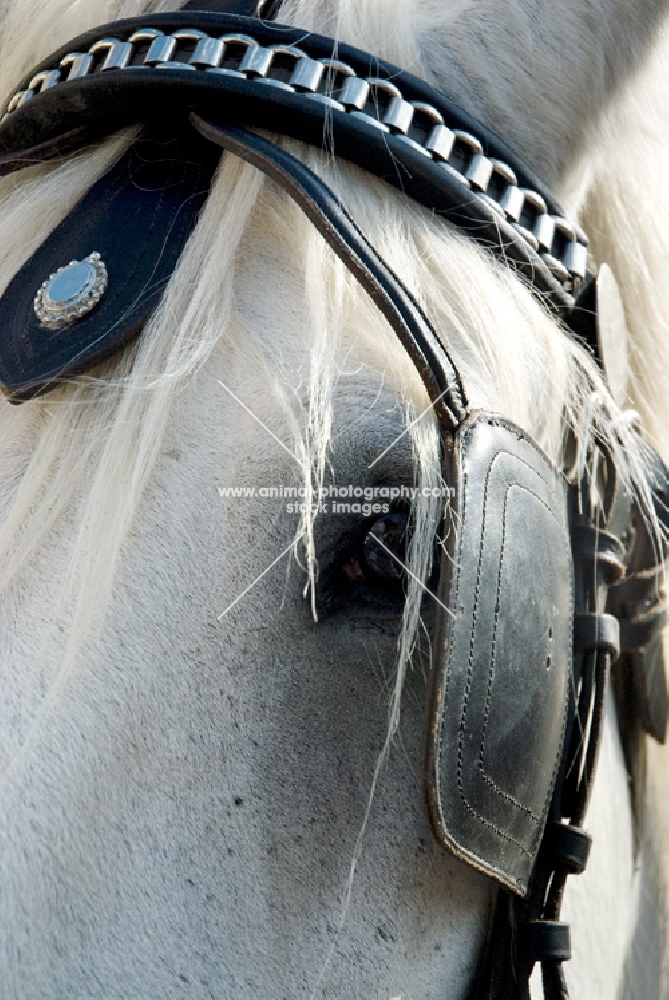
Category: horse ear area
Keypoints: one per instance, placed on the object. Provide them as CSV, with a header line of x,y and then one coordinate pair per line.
x,y
137,217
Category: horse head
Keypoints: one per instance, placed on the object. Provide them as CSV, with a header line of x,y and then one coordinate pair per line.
x,y
328,499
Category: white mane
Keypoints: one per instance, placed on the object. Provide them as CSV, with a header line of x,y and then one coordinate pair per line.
x,y
83,455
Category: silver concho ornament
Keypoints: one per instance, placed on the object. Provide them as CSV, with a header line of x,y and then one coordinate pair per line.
x,y
72,292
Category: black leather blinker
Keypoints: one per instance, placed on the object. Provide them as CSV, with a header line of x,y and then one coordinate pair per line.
x,y
502,652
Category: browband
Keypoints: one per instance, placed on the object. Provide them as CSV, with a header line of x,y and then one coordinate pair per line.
x,y
275,77
233,69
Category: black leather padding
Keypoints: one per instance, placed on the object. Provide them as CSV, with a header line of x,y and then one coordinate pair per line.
x,y
138,216
502,652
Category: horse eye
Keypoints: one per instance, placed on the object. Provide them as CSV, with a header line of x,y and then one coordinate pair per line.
x,y
383,552
384,548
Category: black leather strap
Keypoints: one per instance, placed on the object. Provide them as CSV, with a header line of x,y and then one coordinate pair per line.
x,y
567,847
597,631
392,297
582,320
548,940
590,543
215,18
138,217
639,602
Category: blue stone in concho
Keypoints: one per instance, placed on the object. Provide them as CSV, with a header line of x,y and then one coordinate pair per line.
x,y
71,285
72,292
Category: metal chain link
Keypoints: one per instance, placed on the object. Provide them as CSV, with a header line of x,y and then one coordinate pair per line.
x,y
378,102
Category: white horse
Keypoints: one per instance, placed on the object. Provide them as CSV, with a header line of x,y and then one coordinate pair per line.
x,y
192,802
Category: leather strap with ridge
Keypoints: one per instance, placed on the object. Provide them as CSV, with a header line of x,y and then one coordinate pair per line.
x,y
230,64
412,327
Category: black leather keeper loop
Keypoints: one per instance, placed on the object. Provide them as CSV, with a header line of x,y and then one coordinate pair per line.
x,y
568,847
601,632
547,941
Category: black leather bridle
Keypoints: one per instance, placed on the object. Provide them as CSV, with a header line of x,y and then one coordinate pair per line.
x,y
518,680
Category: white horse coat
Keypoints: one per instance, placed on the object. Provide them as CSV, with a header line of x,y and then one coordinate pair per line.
x,y
183,794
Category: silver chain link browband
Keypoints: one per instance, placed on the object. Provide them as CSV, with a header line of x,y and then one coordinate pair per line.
x,y
378,102
348,87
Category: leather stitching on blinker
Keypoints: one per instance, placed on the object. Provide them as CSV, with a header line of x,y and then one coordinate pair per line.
x,y
486,777
503,423
470,809
461,728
